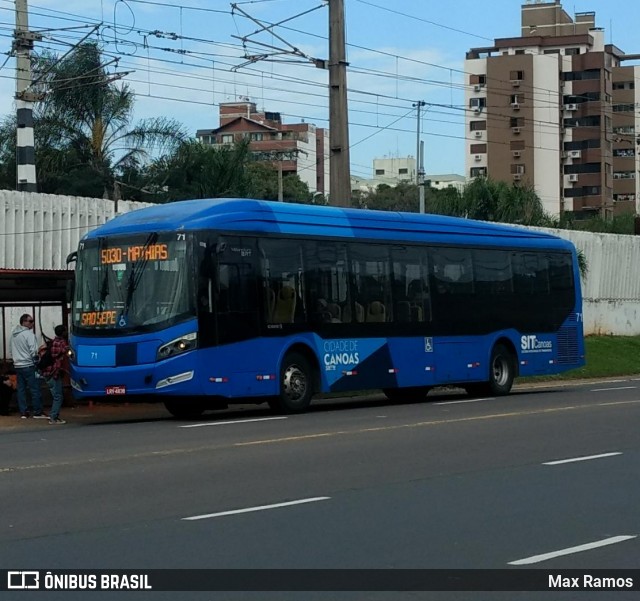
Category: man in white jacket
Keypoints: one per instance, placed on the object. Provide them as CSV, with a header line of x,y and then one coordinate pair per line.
x,y
24,351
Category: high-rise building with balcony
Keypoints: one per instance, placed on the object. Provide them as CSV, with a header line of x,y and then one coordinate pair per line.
x,y
300,148
555,108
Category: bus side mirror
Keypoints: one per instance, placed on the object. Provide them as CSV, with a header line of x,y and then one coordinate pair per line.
x,y
72,257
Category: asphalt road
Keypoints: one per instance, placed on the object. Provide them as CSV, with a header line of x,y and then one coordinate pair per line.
x,y
546,478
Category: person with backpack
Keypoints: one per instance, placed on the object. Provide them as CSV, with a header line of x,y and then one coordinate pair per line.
x,y
55,356
24,352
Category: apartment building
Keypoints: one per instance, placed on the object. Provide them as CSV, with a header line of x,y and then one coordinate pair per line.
x,y
555,108
300,148
394,170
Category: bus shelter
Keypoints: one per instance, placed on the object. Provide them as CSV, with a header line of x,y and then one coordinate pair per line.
x,y
31,291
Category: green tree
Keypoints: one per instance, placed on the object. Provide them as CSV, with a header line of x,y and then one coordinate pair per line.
x,y
263,183
83,127
196,170
403,197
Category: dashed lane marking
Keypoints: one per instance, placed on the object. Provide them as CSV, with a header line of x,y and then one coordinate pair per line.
x,y
207,516
585,458
571,550
237,421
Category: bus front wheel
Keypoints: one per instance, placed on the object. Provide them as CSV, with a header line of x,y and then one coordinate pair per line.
x,y
296,385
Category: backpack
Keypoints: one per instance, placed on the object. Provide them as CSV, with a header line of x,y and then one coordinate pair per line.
x,y
45,358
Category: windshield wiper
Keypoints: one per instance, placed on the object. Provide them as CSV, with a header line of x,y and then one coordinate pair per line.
x,y
104,286
137,270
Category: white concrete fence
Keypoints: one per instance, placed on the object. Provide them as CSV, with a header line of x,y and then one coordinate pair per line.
x,y
38,231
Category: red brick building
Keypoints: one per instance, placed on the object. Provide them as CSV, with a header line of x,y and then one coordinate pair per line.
x,y
300,148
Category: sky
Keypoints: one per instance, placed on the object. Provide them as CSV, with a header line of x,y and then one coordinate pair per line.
x,y
184,57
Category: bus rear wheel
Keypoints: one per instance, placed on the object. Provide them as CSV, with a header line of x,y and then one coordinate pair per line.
x,y
296,385
502,370
184,409
409,394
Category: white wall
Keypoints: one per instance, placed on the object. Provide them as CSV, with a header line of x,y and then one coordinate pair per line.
x,y
611,290
546,131
307,160
38,231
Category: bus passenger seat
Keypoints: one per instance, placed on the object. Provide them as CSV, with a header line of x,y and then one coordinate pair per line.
x,y
359,313
285,305
335,311
376,312
416,313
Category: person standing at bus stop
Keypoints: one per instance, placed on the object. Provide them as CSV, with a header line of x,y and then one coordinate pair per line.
x,y
54,374
24,351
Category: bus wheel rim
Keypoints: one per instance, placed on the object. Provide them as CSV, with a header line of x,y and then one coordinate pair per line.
x,y
294,383
500,371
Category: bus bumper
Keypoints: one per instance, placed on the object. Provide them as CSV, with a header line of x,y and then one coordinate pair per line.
x,y
175,376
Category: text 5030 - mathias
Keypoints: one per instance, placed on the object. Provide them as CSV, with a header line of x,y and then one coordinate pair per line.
x,y
587,581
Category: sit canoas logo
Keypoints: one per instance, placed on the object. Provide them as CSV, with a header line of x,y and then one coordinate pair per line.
x,y
531,344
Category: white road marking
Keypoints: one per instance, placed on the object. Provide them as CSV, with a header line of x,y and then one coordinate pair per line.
x,y
586,458
239,421
251,509
465,401
599,543
616,388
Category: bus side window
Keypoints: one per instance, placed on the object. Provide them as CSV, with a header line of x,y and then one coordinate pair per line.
x,y
282,265
530,274
326,279
410,292
492,271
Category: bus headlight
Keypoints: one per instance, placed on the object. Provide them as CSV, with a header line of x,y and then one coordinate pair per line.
x,y
178,346
71,354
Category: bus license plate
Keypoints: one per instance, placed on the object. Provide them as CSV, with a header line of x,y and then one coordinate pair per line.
x,y
116,390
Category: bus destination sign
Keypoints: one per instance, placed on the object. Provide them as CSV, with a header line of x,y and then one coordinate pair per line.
x,y
131,254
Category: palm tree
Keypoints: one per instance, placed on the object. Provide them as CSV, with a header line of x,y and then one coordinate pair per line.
x,y
83,124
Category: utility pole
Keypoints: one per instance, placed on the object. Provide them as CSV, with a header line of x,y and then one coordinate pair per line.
x,y
419,157
339,162
25,145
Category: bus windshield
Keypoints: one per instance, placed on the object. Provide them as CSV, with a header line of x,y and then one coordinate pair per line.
x,y
133,283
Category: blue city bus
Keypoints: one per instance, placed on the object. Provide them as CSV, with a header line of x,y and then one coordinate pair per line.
x,y
205,302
